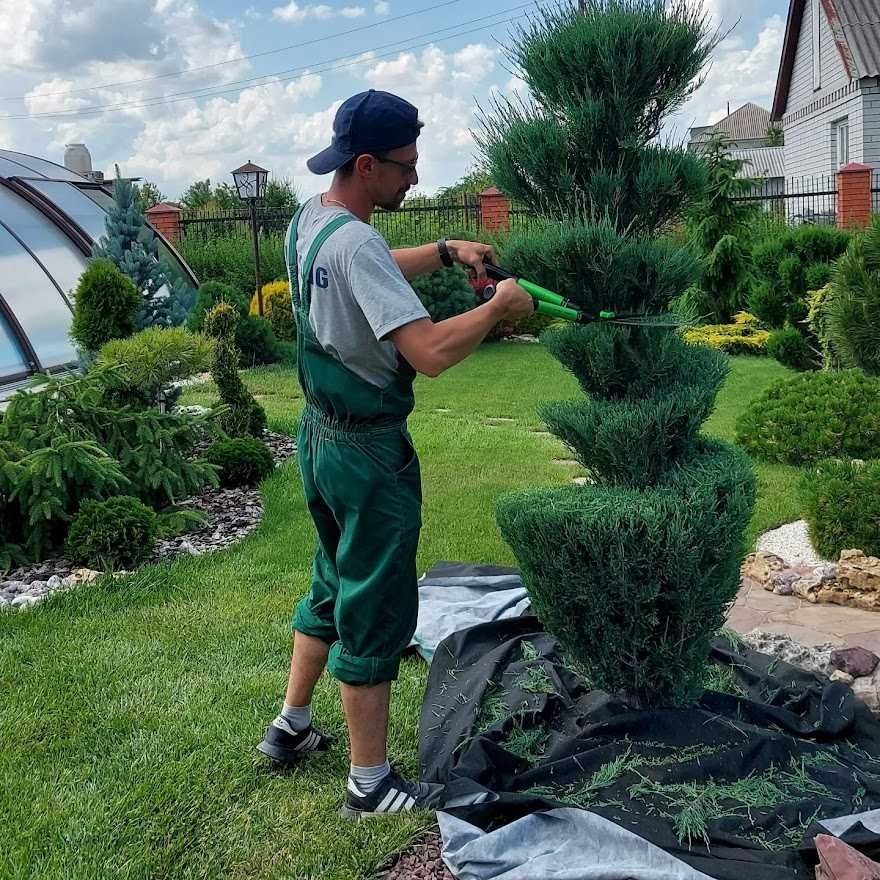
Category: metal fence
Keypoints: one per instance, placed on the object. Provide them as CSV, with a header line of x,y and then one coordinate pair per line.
x,y
798,200
417,221
875,192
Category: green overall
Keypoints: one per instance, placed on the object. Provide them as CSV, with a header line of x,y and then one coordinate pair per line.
x,y
362,486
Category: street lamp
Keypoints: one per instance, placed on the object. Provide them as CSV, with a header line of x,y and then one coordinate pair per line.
x,y
250,184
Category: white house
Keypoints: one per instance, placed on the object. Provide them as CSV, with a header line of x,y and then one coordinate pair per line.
x,y
827,92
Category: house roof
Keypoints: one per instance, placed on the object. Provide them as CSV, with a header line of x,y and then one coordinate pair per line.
x,y
855,25
761,162
750,122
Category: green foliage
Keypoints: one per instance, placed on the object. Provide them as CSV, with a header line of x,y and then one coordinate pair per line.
x,y
814,416
179,521
229,259
79,444
768,303
152,359
445,293
632,572
133,248
201,198
242,414
243,461
718,222
643,577
817,275
254,338
277,309
148,194
792,349
117,533
852,310
105,305
842,506
474,181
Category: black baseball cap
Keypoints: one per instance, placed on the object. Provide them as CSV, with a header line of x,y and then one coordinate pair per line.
x,y
369,122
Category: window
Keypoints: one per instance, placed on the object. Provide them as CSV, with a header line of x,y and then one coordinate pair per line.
x,y
77,206
35,302
815,13
840,143
12,362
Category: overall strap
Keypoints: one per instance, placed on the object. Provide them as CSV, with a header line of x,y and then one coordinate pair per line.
x,y
300,286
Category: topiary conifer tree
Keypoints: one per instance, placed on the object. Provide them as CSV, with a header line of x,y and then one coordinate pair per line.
x,y
134,248
634,571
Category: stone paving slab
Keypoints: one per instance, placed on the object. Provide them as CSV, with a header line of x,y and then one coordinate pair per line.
x,y
758,609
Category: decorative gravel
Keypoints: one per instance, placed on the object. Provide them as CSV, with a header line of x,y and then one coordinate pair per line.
x,y
419,861
791,542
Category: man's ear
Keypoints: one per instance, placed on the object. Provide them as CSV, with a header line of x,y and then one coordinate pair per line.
x,y
365,165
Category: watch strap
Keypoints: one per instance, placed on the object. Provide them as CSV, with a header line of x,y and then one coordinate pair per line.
x,y
445,256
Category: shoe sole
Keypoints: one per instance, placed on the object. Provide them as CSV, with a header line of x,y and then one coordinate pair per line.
x,y
357,815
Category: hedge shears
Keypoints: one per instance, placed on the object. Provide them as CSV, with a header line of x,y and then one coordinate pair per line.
x,y
552,304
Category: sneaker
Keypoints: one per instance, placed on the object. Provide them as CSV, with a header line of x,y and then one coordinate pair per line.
x,y
393,795
284,744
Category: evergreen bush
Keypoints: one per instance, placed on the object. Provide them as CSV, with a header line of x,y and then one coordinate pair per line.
x,y
152,359
277,309
634,571
743,336
852,310
814,416
118,533
241,414
792,350
445,293
104,307
243,461
842,506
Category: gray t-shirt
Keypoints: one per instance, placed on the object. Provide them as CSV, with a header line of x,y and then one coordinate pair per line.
x,y
359,294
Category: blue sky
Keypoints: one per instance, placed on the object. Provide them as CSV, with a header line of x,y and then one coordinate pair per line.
x,y
54,53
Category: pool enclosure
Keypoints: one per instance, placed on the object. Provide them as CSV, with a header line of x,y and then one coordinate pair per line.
x,y
49,219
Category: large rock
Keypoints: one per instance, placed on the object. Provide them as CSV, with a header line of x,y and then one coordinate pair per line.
x,y
814,659
858,581
815,584
856,661
839,861
867,689
759,567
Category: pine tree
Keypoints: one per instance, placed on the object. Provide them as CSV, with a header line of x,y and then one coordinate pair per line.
x,y
632,572
134,248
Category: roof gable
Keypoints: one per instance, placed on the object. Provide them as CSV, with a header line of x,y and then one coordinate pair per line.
x,y
855,25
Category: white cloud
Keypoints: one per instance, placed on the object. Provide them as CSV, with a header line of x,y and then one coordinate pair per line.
x,y
295,14
737,74
382,7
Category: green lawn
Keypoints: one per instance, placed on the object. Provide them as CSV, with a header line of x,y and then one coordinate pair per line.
x,y
130,710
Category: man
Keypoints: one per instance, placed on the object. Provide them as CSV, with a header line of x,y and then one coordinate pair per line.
x,y
363,334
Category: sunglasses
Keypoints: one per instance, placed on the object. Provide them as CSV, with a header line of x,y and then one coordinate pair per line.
x,y
409,167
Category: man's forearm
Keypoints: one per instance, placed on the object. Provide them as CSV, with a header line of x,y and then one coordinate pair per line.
x,y
457,337
417,261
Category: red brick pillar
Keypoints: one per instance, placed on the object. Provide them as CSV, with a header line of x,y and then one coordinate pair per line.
x,y
165,219
494,210
854,196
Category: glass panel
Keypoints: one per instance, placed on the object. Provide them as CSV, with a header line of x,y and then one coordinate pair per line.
x,y
63,260
11,358
77,206
13,169
42,166
35,302
98,196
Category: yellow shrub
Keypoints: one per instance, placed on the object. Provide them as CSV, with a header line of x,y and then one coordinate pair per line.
x,y
277,309
743,336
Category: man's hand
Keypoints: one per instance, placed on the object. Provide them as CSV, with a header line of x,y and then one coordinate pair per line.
x,y
473,254
511,301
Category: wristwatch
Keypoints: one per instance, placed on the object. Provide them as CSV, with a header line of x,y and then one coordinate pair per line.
x,y
445,256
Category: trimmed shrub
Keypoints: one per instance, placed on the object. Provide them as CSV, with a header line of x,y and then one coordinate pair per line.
x,y
791,349
814,416
156,357
209,294
117,533
842,506
767,302
179,521
105,306
743,336
852,310
445,293
243,461
818,275
277,309
241,414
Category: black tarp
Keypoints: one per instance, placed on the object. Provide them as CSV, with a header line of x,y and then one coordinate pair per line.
x,y
506,714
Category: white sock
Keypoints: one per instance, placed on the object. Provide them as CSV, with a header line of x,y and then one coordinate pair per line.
x,y
297,717
368,779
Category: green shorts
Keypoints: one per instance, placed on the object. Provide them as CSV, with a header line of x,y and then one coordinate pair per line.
x,y
363,490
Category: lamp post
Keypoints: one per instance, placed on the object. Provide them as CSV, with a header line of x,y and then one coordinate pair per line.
x,y
250,184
